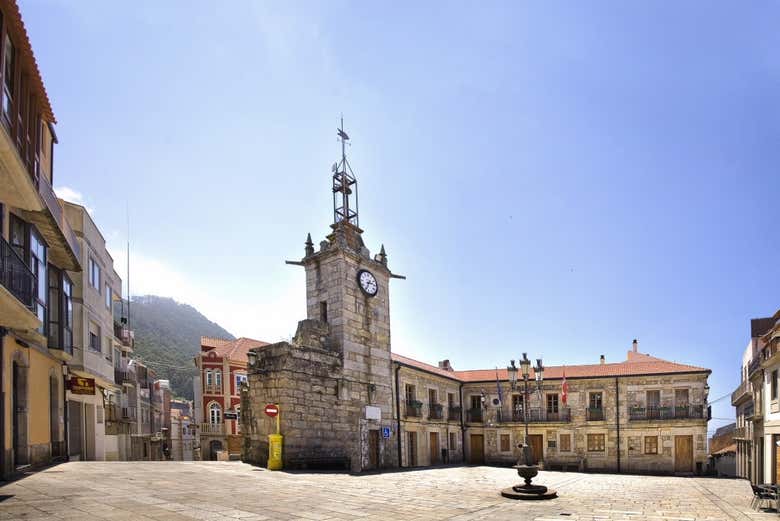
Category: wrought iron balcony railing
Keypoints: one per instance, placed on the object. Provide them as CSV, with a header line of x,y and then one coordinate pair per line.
x,y
15,274
682,412
595,414
741,393
453,414
435,411
413,408
474,416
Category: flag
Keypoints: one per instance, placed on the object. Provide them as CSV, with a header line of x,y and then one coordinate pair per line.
x,y
564,389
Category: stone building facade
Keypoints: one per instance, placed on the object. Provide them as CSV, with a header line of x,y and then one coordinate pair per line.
x,y
642,415
346,401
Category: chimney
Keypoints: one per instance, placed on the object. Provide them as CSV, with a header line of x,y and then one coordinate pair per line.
x,y
635,346
602,360
445,364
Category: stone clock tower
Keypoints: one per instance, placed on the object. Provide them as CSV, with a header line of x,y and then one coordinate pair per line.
x,y
335,376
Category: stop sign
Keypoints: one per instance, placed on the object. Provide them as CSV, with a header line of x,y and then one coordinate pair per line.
x,y
271,410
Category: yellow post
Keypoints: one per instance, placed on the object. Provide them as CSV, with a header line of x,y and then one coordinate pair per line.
x,y
275,445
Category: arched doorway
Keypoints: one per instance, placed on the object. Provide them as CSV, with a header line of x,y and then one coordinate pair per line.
x,y
19,405
214,447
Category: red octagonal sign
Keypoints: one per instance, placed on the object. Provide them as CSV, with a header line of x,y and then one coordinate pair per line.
x,y
271,410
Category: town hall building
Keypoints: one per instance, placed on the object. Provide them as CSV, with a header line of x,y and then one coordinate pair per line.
x,y
346,401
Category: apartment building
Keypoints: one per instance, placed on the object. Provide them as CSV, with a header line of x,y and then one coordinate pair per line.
x,y
749,400
37,251
221,371
182,430
95,347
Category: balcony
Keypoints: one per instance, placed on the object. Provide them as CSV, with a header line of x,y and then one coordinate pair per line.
x,y
125,336
123,377
754,365
212,389
741,393
474,416
113,412
683,412
212,428
435,411
453,414
595,415
64,248
538,415
17,284
413,409
739,433
129,413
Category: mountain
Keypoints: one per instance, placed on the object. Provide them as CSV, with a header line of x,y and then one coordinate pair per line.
x,y
167,337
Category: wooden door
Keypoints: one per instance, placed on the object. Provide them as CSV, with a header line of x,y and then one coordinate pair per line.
x,y
537,452
683,453
373,448
776,459
412,449
434,446
477,453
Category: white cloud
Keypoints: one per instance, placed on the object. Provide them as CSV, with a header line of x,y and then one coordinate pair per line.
x,y
73,196
270,316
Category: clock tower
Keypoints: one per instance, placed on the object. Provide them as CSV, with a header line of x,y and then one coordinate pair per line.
x,y
336,374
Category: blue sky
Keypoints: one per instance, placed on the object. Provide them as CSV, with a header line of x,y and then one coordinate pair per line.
x,y
557,178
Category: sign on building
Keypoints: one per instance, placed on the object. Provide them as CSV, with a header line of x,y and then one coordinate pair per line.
x,y
79,385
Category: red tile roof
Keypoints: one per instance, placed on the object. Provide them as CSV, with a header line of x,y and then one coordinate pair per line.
x,y
231,349
637,364
30,66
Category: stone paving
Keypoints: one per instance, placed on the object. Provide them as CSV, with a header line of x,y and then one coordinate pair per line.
x,y
231,490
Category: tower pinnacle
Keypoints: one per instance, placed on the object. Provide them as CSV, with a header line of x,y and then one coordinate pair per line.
x,y
344,208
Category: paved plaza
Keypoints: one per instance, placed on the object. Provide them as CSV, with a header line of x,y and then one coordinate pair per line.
x,y
231,490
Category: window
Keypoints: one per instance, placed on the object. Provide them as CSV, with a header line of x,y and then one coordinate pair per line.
x,y
94,274
9,62
67,314
774,384
552,403
109,350
681,397
653,399
651,444
453,441
551,443
109,296
38,267
595,401
209,378
55,307
505,445
596,442
215,414
218,378
565,445
450,400
94,337
433,397
324,311
411,395
240,379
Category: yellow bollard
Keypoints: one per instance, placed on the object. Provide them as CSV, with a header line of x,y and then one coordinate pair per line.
x,y
275,451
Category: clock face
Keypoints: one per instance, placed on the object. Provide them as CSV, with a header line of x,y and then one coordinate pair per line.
x,y
368,283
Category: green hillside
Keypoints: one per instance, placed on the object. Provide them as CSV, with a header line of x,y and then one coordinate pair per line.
x,y
167,337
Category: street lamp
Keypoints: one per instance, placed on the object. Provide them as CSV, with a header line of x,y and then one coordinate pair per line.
x,y
526,469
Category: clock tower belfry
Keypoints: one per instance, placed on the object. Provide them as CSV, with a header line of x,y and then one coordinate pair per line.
x,y
335,377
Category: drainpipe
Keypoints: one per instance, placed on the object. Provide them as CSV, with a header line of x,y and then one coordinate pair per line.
x,y
398,414
65,406
462,426
3,333
617,419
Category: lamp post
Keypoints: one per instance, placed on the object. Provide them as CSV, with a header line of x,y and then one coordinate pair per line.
x,y
527,469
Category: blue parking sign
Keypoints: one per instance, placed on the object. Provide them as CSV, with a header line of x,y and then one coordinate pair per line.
x,y
385,432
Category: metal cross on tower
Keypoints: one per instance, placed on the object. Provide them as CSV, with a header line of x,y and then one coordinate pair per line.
x,y
343,183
